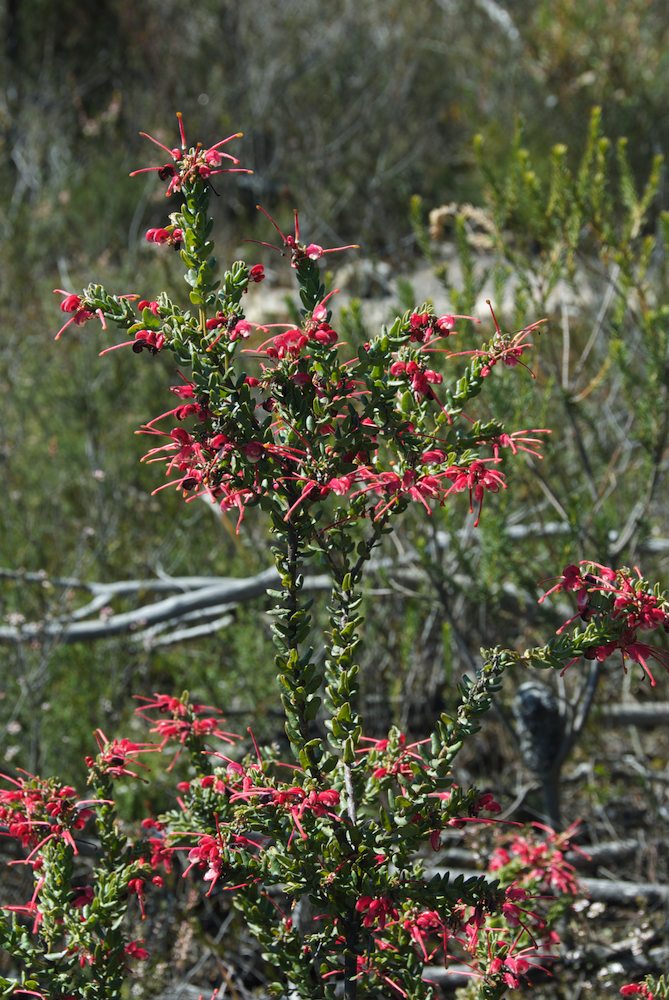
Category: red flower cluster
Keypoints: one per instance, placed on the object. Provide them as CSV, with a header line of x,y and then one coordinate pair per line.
x,y
419,378
349,449
295,800
159,855
187,165
426,924
115,756
625,604
377,910
425,326
393,758
37,810
207,855
74,304
508,348
537,861
476,479
291,244
638,990
212,854
186,720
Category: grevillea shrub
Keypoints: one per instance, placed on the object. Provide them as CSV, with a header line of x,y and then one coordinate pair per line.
x,y
323,848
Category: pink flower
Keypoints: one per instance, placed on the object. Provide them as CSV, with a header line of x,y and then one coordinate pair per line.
x,y
148,340
519,441
137,888
422,379
115,755
163,703
509,348
240,330
571,579
641,652
377,910
424,924
152,306
288,344
341,484
186,720
253,451
173,236
418,321
36,810
220,319
190,165
74,305
637,989
324,334
487,803
432,457
625,606
299,252
207,854
160,853
475,478
639,608
151,340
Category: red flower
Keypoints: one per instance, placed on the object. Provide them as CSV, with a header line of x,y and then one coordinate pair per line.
x,y
152,306
420,378
377,910
422,925
288,344
475,478
161,854
186,719
299,252
486,803
35,811
208,854
74,304
627,604
134,949
637,989
173,236
163,703
324,334
518,441
85,895
509,348
150,340
115,755
639,608
137,888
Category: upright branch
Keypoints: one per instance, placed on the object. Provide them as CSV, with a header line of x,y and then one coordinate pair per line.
x,y
298,676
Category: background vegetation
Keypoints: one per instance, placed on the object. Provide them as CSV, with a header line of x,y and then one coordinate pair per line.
x,y
349,110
